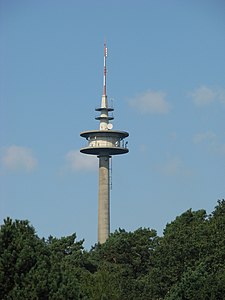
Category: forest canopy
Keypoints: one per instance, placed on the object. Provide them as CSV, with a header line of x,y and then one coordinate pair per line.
x,y
187,262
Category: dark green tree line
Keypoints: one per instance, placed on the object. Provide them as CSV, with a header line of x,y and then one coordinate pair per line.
x,y
187,262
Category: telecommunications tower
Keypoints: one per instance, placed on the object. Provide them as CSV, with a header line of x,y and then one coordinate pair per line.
x,y
104,143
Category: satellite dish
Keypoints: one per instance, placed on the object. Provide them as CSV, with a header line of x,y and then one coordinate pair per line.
x,y
110,126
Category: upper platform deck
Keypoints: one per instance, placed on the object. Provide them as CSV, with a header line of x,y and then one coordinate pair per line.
x,y
104,133
105,142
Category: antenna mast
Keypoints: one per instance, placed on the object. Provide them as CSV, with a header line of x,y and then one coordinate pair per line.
x,y
105,71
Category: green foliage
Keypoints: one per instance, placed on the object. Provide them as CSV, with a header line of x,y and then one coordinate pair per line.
x,y
32,268
121,261
64,257
19,256
195,257
186,263
130,249
184,243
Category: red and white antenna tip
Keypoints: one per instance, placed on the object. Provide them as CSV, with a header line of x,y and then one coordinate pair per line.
x,y
105,71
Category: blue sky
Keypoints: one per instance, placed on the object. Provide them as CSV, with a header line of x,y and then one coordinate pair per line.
x,y
166,77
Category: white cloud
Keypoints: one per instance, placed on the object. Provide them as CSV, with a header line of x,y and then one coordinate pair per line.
x,y
222,149
18,158
151,102
210,141
221,95
173,167
204,95
204,136
76,161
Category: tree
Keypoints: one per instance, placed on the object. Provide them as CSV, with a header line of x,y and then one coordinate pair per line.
x,y
32,268
20,252
121,262
183,245
65,257
190,259
131,249
186,263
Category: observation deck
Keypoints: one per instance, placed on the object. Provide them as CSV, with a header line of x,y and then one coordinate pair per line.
x,y
105,142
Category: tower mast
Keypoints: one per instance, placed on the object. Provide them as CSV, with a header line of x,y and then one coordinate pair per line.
x,y
105,71
104,143
104,181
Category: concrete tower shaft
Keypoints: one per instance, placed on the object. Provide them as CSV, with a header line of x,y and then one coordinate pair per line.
x,y
104,143
103,200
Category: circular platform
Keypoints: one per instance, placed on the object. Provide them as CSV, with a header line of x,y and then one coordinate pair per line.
x,y
105,142
104,133
104,150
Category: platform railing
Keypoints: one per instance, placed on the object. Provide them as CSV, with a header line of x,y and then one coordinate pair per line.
x,y
106,144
